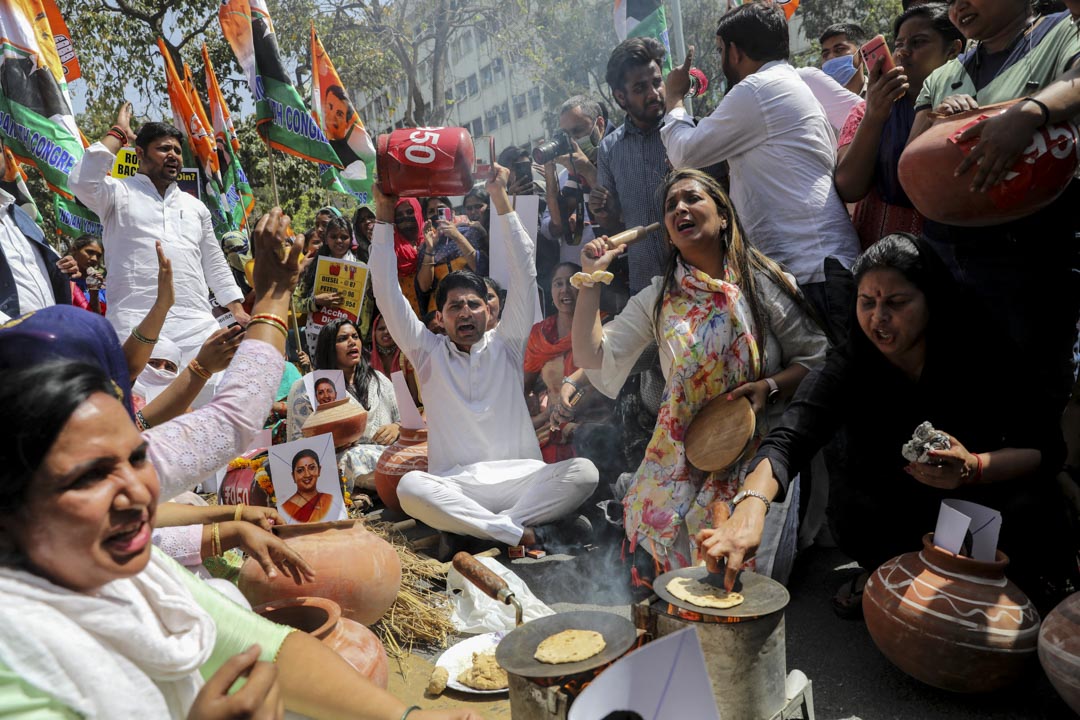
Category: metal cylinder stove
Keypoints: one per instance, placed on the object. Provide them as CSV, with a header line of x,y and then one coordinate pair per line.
x,y
743,645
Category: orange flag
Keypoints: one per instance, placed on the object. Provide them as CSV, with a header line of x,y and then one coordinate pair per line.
x,y
62,38
188,118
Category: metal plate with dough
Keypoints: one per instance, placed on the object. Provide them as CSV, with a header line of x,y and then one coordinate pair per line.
x,y
515,652
719,433
761,595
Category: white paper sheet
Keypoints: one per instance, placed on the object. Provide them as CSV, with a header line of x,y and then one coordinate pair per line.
x,y
958,517
410,416
662,680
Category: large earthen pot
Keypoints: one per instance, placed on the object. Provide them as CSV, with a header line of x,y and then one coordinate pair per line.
x,y
951,621
1059,649
322,618
408,453
1035,179
353,567
345,419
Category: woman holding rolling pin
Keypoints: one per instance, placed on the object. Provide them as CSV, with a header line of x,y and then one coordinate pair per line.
x,y
728,321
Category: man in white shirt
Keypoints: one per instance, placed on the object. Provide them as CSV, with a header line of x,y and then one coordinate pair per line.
x,y
778,144
29,278
138,212
485,477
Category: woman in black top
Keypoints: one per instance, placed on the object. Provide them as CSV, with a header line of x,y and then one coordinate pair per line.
x,y
917,354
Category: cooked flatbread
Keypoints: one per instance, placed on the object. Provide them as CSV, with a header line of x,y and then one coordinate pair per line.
x,y
703,594
484,673
569,646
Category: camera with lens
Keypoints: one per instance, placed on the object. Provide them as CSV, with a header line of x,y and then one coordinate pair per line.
x,y
559,144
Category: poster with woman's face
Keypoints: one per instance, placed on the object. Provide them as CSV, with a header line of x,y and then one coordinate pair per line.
x,y
324,386
306,481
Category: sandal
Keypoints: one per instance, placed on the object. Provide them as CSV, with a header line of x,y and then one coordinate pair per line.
x,y
847,602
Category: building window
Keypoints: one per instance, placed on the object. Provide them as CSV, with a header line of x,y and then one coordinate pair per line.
x,y
534,99
449,95
492,120
504,113
474,86
497,67
485,76
459,91
477,126
455,49
466,42
521,107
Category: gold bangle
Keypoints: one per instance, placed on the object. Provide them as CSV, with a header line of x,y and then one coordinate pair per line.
x,y
269,316
269,320
196,367
271,323
142,338
215,539
238,514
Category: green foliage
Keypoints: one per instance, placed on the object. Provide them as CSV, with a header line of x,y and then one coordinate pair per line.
x,y
875,16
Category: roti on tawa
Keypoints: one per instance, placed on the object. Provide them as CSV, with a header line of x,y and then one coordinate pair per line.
x,y
703,594
569,646
484,673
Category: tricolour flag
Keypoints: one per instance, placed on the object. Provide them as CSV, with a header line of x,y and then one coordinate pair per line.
x,y
36,119
643,18
187,118
65,48
332,109
238,200
283,120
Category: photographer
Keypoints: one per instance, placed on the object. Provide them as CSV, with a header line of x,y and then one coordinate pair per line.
x,y
449,244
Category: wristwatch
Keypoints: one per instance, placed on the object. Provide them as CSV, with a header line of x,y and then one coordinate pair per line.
x,y
774,391
743,494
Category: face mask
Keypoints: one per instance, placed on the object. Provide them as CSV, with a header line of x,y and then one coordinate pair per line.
x,y
151,382
587,145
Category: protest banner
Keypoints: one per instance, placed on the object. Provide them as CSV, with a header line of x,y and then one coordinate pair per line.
x,y
126,165
349,279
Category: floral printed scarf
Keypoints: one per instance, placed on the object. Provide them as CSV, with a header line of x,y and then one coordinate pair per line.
x,y
709,327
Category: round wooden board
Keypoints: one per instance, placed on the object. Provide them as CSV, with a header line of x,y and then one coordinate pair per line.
x,y
719,433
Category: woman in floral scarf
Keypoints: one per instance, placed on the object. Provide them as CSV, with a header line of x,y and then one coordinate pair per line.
x,y
728,321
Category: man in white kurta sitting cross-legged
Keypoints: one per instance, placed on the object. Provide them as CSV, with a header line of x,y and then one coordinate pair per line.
x,y
485,477
140,211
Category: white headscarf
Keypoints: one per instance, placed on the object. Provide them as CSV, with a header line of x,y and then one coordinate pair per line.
x,y
151,381
132,649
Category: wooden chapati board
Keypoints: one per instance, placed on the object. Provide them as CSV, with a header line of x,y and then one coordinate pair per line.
x,y
719,433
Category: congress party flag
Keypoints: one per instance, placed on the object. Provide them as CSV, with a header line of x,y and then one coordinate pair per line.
x,y
237,198
332,109
643,18
283,120
788,6
187,118
65,48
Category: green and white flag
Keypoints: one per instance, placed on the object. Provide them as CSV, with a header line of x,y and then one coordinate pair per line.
x,y
643,18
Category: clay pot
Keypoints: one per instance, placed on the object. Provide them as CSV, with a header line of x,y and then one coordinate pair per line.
x,y
345,419
950,621
1059,649
322,618
1036,178
408,453
353,567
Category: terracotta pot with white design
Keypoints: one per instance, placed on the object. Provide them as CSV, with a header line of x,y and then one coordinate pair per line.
x,y
950,621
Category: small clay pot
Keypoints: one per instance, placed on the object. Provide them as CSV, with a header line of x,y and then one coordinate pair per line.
x,y
1059,649
345,419
353,566
951,621
408,453
322,618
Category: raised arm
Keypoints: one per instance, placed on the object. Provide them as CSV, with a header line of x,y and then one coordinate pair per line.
x,y
406,329
189,448
857,160
139,345
89,178
521,297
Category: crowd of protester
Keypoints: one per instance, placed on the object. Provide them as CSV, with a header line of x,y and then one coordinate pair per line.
x,y
790,269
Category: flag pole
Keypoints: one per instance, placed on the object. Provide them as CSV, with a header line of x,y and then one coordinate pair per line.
x,y
273,176
680,45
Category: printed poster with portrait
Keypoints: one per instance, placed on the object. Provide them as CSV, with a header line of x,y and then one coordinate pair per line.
x,y
324,386
306,480
348,279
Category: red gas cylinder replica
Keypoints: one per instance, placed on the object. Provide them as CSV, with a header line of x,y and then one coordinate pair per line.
x,y
426,162
1034,181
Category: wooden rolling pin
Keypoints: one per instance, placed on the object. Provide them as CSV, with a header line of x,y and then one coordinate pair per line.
x,y
492,585
628,237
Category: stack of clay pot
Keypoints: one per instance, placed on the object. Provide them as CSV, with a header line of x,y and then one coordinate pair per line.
x,y
950,621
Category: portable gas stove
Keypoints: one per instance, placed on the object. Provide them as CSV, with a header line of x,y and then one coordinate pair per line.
x,y
744,645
